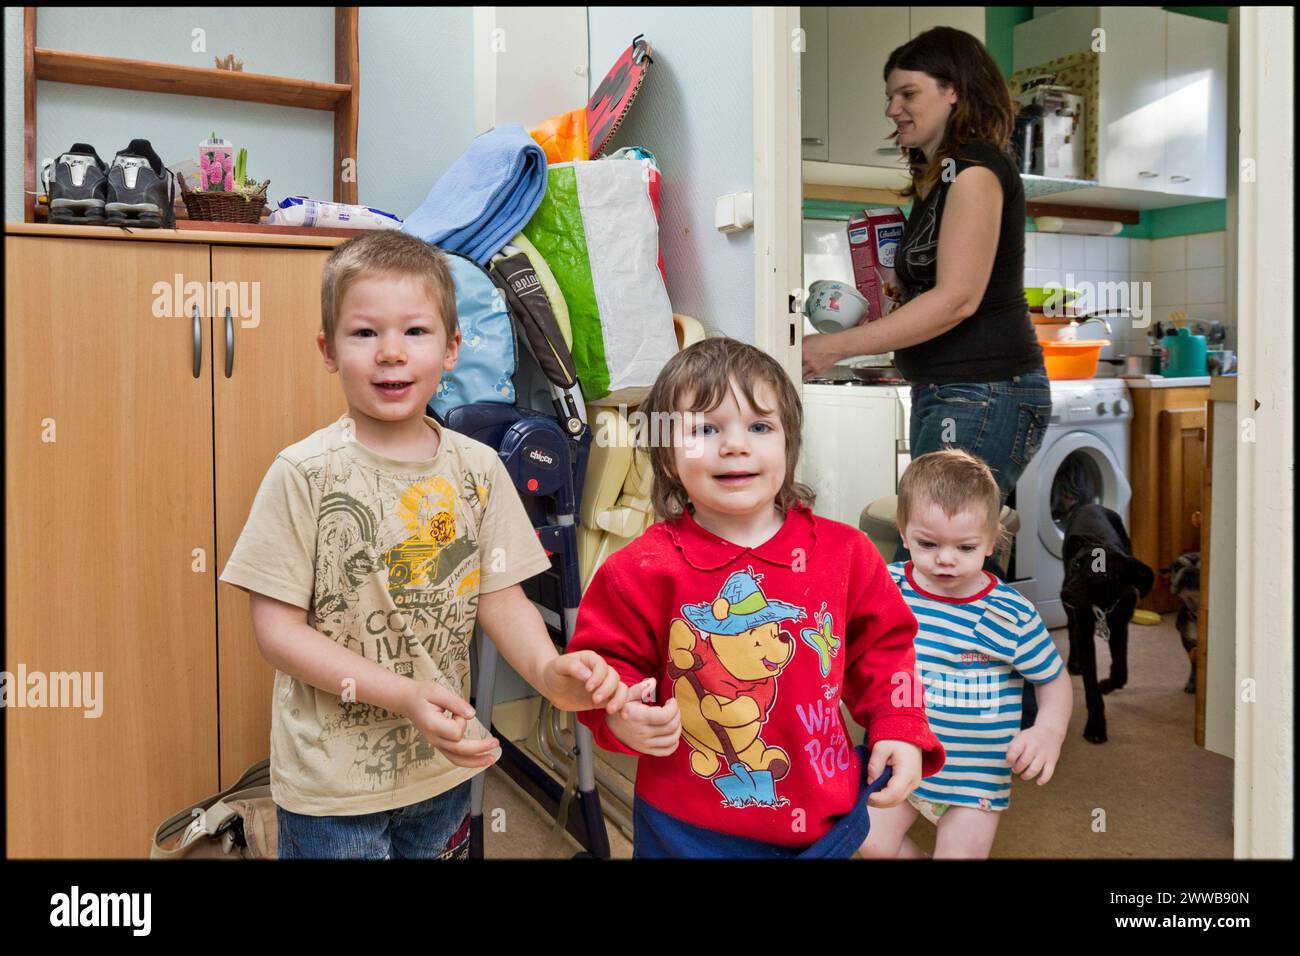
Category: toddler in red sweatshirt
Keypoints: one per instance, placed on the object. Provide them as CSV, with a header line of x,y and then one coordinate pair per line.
x,y
754,617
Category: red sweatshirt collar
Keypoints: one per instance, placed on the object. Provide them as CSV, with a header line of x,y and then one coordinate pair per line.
x,y
705,551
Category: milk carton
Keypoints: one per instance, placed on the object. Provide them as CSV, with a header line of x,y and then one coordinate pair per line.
x,y
874,238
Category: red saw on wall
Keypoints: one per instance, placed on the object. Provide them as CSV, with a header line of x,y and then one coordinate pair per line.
x,y
610,102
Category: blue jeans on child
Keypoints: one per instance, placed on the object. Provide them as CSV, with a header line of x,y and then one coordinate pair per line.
x,y
1002,423
658,836
433,829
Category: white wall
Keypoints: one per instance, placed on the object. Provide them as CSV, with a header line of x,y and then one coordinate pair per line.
x,y
416,112
694,113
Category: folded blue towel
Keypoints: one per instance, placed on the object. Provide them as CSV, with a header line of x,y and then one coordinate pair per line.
x,y
486,197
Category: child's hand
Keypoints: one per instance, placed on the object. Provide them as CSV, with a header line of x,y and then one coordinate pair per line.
x,y
645,727
442,717
583,681
905,758
1035,749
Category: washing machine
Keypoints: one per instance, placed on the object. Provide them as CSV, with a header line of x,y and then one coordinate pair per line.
x,y
1084,457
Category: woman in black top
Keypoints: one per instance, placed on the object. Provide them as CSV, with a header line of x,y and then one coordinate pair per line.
x,y
962,337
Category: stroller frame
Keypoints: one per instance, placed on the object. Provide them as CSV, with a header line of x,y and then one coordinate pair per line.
x,y
526,439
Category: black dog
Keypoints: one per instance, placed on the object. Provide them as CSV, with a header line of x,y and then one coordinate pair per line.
x,y
1100,590
1185,583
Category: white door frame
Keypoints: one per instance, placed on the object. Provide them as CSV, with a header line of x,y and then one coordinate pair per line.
x,y
1264,757
778,186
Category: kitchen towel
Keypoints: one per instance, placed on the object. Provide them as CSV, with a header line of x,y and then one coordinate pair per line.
x,y
486,196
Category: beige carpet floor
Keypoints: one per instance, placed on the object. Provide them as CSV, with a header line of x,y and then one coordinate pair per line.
x,y
1148,792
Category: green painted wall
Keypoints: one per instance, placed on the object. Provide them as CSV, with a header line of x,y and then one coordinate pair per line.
x,y
998,24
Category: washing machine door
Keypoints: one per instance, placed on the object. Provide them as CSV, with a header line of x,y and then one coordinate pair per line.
x,y
1077,468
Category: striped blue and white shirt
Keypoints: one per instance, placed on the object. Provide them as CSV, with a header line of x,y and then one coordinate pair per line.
x,y
973,656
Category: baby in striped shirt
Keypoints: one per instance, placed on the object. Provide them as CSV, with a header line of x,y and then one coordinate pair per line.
x,y
977,641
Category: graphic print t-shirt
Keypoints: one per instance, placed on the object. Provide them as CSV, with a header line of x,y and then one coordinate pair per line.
x,y
389,559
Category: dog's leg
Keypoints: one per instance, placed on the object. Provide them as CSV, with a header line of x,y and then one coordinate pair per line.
x,y
1081,639
1117,620
1072,658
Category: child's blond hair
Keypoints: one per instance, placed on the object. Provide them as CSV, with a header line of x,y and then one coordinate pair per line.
x,y
705,373
955,481
389,252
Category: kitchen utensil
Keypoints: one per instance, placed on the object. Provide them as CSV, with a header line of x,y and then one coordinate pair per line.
x,y
1049,300
1026,135
1139,366
1186,355
834,306
1220,361
1071,360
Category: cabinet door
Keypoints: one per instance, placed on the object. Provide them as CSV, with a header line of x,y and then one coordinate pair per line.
x,y
1131,124
861,39
109,545
1182,464
1196,107
970,19
813,83
277,393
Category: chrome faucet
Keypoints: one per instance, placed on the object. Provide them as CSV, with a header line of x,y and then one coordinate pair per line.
x,y
1094,318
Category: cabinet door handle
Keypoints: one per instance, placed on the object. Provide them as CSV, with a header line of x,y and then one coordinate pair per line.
x,y
198,343
1196,519
230,343
1180,179
1148,174
814,141
887,150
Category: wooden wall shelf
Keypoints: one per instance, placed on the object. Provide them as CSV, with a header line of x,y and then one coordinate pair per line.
x,y
149,77
340,97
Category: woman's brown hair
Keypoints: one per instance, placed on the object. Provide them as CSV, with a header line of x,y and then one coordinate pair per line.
x,y
983,110
702,375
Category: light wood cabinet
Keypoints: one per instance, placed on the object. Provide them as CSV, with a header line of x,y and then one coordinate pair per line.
x,y
278,392
1167,465
128,478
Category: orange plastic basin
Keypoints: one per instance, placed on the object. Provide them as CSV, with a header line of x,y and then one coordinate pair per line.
x,y
1071,360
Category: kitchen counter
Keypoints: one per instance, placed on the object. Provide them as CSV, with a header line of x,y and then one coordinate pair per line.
x,y
1159,381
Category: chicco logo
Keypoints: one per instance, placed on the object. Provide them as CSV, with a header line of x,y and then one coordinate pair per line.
x,y
539,456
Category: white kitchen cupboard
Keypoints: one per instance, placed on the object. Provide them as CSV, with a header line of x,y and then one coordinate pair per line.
x,y
861,40
847,48
1196,117
814,84
1162,93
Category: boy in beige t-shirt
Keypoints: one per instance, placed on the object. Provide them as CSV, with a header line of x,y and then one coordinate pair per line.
x,y
371,548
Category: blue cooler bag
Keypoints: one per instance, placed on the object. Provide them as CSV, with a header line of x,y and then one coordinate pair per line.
x,y
485,369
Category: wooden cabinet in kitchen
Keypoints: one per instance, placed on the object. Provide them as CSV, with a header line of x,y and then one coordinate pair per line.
x,y
135,440
1162,93
1166,472
843,91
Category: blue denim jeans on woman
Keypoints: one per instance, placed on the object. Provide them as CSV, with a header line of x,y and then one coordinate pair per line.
x,y
1002,423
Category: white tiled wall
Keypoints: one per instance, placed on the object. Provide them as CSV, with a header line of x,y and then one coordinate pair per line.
x,y
1186,273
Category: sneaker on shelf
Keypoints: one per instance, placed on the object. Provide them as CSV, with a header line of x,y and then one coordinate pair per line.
x,y
76,185
141,190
